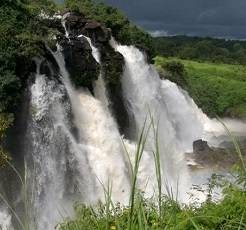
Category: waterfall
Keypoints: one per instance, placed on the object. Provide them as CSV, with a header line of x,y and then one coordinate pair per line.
x,y
192,124
99,85
105,147
143,94
99,135
74,149
58,168
146,174
188,121
179,120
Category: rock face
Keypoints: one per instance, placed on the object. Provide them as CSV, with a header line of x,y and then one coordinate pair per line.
x,y
204,156
112,67
79,61
83,69
201,146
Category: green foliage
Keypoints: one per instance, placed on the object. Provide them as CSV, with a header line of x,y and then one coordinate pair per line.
x,y
143,213
203,49
22,35
46,6
227,214
6,121
176,72
219,89
124,31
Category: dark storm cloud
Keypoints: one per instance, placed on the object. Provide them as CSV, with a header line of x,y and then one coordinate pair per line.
x,y
220,18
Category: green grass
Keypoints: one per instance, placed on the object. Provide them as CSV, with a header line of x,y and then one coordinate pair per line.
x,y
165,213
219,89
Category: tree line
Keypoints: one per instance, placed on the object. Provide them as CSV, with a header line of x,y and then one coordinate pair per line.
x,y
202,49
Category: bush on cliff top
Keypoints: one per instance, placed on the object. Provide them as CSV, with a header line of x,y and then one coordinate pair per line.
x,y
122,29
22,34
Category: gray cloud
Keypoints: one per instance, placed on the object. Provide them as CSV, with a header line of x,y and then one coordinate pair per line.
x,y
220,18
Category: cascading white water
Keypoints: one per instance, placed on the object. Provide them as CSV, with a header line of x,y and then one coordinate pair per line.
x,y
99,85
188,121
192,124
142,89
54,156
179,119
5,220
99,135
146,174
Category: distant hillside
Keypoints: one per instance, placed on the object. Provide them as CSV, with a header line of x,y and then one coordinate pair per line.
x,y
203,49
218,89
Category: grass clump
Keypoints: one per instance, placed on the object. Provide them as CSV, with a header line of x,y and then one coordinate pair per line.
x,y
166,213
228,214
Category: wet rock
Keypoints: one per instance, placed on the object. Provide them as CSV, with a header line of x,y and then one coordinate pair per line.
x,y
113,64
74,21
77,24
97,32
200,146
80,63
83,68
45,68
204,156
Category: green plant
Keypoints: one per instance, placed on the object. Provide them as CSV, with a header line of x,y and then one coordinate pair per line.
x,y
143,213
202,49
122,29
176,72
6,121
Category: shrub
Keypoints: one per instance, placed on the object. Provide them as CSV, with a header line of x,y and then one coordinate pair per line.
x,y
122,29
176,72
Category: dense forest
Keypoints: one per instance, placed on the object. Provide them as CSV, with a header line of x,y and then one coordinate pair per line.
x,y
202,49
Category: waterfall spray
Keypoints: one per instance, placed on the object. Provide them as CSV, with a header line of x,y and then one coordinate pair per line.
x,y
99,135
143,94
54,156
5,220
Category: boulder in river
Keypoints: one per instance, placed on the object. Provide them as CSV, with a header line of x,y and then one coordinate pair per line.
x,y
204,156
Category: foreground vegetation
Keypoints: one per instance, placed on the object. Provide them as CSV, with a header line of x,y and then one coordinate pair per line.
x,y
162,212
219,89
229,214
165,212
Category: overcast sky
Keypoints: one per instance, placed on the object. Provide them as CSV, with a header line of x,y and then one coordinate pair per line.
x,y
218,18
